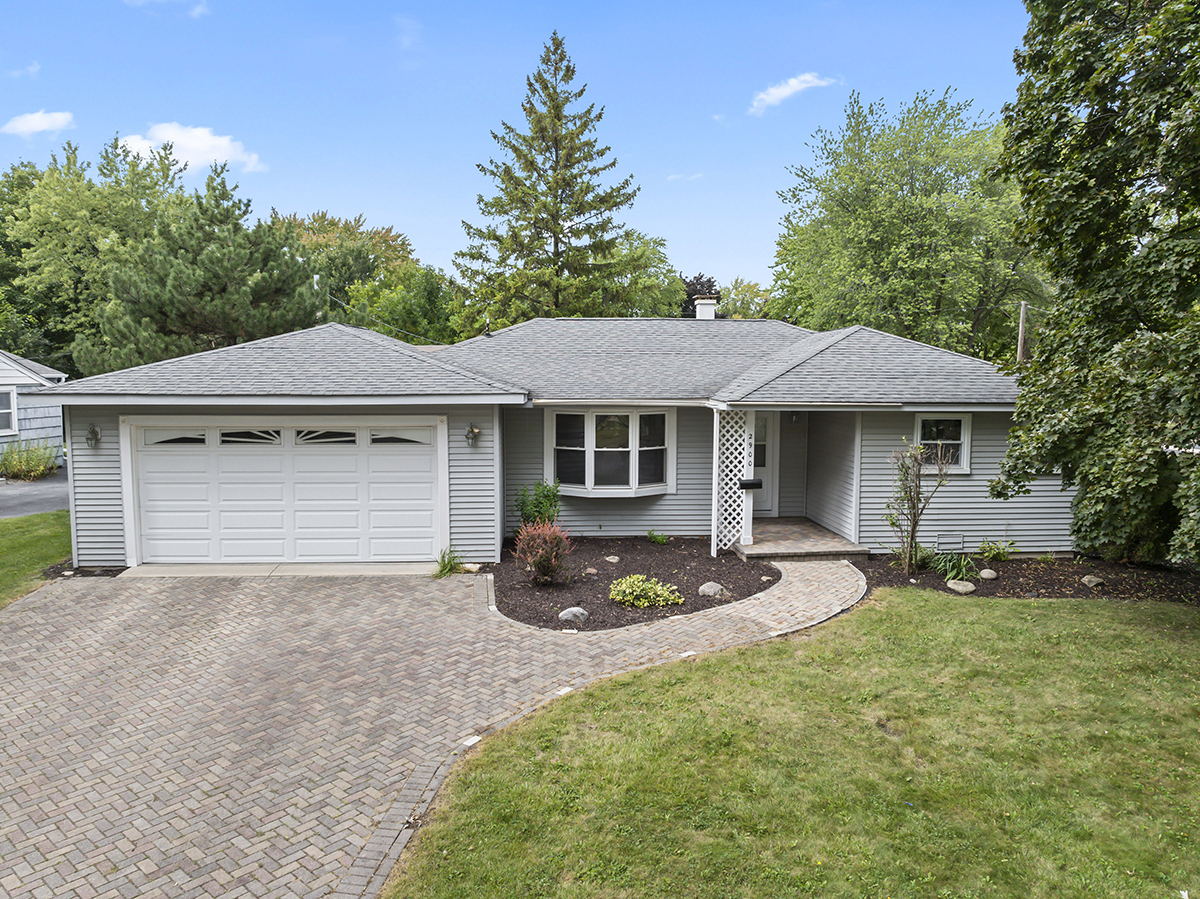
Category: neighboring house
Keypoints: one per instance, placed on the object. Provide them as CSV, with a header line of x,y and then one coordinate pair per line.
x,y
24,416
341,444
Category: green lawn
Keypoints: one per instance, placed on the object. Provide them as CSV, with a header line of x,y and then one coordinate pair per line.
x,y
921,746
27,545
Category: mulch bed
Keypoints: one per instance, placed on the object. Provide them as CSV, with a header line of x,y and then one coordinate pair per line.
x,y
57,571
1060,578
684,562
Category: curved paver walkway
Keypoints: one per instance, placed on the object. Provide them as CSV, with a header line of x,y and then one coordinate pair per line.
x,y
270,737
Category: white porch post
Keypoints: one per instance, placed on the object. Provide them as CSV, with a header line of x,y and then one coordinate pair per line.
x,y
733,459
747,496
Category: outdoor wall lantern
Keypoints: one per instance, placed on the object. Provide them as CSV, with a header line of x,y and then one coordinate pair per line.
x,y
93,435
472,434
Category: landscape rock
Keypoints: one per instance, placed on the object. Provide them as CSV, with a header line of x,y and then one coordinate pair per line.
x,y
613,559
1092,581
712,588
963,587
590,571
988,575
471,567
765,577
573,615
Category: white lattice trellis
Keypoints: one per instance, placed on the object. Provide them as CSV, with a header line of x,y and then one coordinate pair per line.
x,y
735,460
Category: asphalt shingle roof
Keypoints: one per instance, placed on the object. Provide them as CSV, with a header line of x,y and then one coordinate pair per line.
x,y
859,366
329,360
43,371
622,358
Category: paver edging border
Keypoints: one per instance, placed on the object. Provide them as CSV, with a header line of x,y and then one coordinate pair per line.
x,y
396,833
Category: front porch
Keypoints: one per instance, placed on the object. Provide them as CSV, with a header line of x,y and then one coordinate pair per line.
x,y
798,540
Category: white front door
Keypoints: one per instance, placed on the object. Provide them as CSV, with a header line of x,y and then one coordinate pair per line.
x,y
766,445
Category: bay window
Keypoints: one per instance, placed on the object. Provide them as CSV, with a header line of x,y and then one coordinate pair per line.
x,y
611,452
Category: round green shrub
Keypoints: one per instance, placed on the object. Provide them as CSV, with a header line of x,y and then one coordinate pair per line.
x,y
641,592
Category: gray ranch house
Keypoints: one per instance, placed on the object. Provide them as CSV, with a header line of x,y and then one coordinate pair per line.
x,y
341,444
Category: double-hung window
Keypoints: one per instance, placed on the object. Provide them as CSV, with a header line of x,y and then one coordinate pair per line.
x,y
611,452
8,410
949,437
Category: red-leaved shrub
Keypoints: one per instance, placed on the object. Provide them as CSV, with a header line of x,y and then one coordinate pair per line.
x,y
542,547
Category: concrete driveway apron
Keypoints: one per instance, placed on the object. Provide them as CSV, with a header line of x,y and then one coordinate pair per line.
x,y
191,737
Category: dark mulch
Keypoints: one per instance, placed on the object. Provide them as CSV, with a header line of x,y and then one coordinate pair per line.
x,y
684,562
57,571
1060,578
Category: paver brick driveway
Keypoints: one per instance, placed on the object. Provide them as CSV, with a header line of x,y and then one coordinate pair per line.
x,y
269,736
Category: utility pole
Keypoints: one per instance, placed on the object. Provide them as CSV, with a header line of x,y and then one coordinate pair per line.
x,y
1021,335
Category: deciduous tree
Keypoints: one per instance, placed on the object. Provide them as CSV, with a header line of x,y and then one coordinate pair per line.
x,y
899,224
1103,140
549,246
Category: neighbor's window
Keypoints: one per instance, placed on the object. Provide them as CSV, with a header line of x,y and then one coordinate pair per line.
x,y
949,436
8,411
610,452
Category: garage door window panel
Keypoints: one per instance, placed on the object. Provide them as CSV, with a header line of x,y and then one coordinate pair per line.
x,y
174,437
401,436
306,437
252,438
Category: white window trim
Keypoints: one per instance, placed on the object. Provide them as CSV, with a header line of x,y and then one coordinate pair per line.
x,y
12,411
590,413
965,417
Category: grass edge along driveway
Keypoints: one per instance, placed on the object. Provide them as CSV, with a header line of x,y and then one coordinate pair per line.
x,y
27,546
919,746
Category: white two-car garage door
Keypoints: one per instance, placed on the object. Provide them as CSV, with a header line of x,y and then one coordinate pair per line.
x,y
296,492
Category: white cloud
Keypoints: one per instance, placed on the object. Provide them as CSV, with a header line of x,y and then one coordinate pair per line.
x,y
685,177
35,122
196,9
198,147
409,32
29,71
777,93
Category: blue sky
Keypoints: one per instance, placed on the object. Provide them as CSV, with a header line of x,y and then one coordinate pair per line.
x,y
385,109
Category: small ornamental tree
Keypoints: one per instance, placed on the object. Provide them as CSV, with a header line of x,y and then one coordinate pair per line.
x,y
920,471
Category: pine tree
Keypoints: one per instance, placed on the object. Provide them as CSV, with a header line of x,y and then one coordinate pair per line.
x,y
205,280
551,247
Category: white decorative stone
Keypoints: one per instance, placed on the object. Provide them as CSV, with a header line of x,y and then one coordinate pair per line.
x,y
573,615
68,573
613,559
1092,581
590,571
712,588
471,567
988,575
963,587
765,577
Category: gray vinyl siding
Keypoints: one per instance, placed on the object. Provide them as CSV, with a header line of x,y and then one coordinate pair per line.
x,y
830,483
473,525
687,512
97,513
36,424
793,463
1037,523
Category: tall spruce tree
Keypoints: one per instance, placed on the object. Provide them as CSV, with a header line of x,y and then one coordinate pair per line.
x,y
551,245
205,280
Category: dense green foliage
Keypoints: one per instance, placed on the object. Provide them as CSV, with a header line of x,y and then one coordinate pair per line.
x,y
409,301
743,299
206,279
538,505
550,245
900,225
27,460
64,232
1103,140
